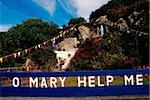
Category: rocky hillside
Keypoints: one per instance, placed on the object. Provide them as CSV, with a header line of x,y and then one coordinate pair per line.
x,y
125,42
135,12
115,38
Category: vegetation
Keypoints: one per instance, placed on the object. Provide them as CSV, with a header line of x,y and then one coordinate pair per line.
x,y
117,50
44,57
81,64
27,34
116,9
76,21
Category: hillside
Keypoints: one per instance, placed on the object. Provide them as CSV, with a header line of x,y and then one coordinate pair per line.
x,y
116,9
125,42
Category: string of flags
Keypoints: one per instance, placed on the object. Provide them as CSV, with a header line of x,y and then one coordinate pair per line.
x,y
28,50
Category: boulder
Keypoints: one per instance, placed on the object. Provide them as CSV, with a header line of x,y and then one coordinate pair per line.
x,y
68,43
30,65
122,25
85,32
102,19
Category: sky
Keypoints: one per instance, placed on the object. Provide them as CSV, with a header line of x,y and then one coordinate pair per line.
x,y
13,12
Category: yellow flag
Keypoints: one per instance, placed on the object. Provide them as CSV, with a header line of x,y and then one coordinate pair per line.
x,y
1,60
15,55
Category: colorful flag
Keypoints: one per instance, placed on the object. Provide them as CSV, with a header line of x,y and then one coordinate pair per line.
x,y
39,45
30,49
60,35
44,43
1,59
15,55
26,50
19,53
36,47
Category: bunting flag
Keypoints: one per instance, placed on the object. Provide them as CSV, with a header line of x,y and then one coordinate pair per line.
x,y
15,55
44,43
57,37
11,56
36,47
19,53
28,50
60,35
54,40
1,59
39,46
72,29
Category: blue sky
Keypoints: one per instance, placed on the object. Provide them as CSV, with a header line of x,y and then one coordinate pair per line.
x,y
59,11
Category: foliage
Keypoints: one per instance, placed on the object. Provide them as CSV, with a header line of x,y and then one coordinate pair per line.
x,y
116,50
80,64
76,21
109,54
27,34
43,57
130,48
116,9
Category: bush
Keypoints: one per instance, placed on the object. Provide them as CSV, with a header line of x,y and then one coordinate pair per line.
x,y
80,64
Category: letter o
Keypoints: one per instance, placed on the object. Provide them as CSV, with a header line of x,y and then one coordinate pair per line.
x,y
15,82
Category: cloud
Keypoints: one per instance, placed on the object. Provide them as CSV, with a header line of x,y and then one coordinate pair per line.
x,y
68,7
85,7
48,5
4,28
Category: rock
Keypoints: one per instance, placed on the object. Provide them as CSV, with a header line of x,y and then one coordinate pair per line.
x,y
131,20
68,43
29,64
85,32
133,17
64,57
102,19
135,13
122,25
95,35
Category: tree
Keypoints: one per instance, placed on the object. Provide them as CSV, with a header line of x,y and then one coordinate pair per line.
x,y
25,35
29,33
76,21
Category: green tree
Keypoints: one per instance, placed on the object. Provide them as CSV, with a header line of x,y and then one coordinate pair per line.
x,y
76,21
27,34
